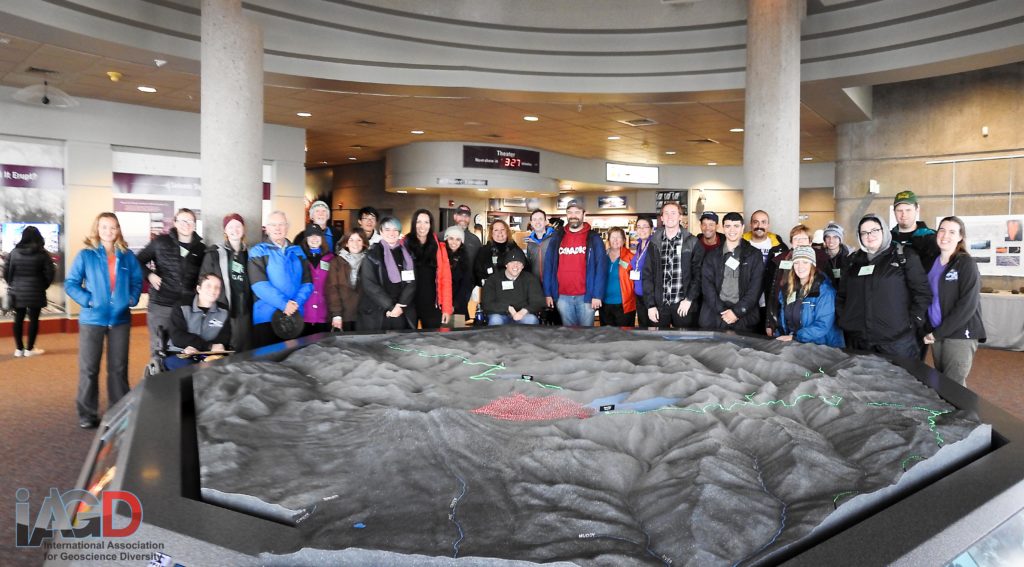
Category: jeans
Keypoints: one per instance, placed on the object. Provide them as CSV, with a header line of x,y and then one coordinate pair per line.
x,y
33,326
499,319
574,311
90,350
158,316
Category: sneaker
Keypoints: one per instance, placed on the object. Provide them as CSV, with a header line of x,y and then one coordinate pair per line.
x,y
18,353
33,352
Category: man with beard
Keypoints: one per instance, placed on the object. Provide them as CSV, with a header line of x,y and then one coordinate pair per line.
x,y
575,270
911,232
472,243
671,274
770,245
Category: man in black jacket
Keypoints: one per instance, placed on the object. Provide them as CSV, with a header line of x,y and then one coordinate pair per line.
x,y
512,295
171,263
731,281
911,232
671,274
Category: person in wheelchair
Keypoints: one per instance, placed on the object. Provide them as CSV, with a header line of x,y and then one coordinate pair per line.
x,y
199,329
513,296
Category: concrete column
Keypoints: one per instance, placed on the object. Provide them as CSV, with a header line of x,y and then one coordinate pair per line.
x,y
231,143
771,143
89,181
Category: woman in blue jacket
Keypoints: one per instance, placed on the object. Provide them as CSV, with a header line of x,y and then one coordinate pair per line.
x,y
807,303
106,280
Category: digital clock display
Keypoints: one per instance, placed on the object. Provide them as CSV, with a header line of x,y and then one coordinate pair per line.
x,y
492,157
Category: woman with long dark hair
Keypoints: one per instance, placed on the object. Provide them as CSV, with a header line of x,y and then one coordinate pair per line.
x,y
106,280
433,274
954,314
491,257
28,272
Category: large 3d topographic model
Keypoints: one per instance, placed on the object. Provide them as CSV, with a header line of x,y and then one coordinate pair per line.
x,y
591,447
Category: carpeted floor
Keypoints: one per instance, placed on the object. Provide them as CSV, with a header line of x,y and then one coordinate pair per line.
x,y
43,446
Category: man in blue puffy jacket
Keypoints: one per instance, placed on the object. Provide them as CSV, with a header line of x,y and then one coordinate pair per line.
x,y
280,278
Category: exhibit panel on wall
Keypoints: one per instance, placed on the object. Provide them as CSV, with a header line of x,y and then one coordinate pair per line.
x,y
32,194
995,241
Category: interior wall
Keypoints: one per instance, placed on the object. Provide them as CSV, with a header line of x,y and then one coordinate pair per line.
x,y
938,119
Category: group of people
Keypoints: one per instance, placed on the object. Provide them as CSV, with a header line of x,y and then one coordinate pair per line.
x,y
900,292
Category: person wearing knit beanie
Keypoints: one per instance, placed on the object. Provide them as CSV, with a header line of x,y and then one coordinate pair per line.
x,y
320,215
837,251
804,253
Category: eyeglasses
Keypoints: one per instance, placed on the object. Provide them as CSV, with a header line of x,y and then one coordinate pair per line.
x,y
867,233
185,221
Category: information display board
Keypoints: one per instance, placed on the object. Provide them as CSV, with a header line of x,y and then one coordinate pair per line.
x,y
995,243
493,157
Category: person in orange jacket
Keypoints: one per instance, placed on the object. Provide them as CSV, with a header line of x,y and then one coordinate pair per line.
x,y
433,273
619,306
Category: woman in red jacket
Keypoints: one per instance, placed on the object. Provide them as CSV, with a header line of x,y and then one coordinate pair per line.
x,y
433,274
619,306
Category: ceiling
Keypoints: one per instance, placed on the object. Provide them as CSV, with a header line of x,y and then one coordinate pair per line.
x,y
348,125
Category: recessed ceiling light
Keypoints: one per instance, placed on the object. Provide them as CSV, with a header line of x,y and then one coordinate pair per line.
x,y
146,89
735,129
670,153
401,191
471,123
115,76
614,137
480,189
417,132
545,194
421,188
712,163
352,158
808,158
303,114
530,191
531,118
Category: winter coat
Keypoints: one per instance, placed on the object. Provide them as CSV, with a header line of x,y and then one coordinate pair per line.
x,y
342,296
441,269
376,300
751,271
491,259
28,272
625,284
653,276
776,272
817,315
193,327
960,301
178,274
536,250
316,309
88,284
835,265
596,261
218,261
525,294
922,240
887,303
462,280
277,277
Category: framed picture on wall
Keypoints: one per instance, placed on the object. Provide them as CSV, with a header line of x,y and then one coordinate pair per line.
x,y
611,202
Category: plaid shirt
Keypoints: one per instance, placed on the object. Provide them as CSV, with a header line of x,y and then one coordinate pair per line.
x,y
672,267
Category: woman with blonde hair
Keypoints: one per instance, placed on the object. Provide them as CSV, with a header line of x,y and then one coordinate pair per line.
x,y
106,280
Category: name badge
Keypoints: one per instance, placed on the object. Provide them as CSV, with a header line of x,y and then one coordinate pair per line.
x,y
786,265
408,275
507,285
490,270
791,297
634,275
836,272
623,264
866,270
325,265
183,251
237,267
732,263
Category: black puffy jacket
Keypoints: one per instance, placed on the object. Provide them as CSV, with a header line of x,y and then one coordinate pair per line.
x,y
887,303
28,272
751,274
178,273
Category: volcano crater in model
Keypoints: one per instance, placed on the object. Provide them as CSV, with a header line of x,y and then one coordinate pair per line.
x,y
596,446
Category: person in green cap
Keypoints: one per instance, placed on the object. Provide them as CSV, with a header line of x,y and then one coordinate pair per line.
x,y
912,232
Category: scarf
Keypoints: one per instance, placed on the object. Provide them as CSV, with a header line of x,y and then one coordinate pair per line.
x,y
389,261
354,260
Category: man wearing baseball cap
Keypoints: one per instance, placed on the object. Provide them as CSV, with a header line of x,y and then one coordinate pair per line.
x,y
710,238
462,217
911,232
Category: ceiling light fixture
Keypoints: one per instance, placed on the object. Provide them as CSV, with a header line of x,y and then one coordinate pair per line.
x,y
402,191
481,189
416,132
115,76
712,163
323,163
531,118
421,188
670,153
808,158
737,130
146,89
352,158
304,114
614,137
